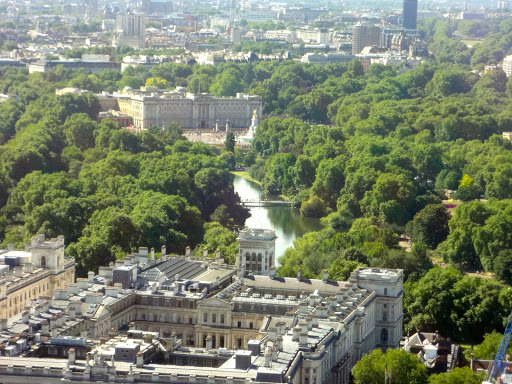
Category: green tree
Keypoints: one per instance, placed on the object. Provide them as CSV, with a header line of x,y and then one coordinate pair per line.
x,y
79,129
503,266
430,225
487,349
229,143
314,207
227,83
458,376
403,368
467,190
109,231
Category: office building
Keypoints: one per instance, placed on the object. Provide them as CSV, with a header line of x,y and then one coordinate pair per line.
x,y
36,271
88,63
130,30
410,14
364,35
186,320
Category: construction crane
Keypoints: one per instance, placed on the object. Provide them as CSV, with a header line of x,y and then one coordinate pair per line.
x,y
497,366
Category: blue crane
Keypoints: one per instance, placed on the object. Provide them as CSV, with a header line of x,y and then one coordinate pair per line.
x,y
497,366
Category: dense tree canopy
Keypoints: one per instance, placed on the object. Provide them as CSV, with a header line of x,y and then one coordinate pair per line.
x,y
402,368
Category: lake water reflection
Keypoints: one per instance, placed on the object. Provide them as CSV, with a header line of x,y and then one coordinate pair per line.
x,y
286,221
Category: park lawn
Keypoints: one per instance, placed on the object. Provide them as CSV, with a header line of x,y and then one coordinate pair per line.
x,y
246,175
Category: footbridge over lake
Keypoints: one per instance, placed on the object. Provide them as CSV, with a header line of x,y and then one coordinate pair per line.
x,y
265,203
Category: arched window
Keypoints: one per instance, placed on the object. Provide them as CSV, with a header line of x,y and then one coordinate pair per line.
x,y
384,335
253,257
306,381
205,318
247,256
385,291
43,261
222,319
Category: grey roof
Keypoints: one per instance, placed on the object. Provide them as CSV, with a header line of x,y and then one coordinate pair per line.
x,y
187,269
292,284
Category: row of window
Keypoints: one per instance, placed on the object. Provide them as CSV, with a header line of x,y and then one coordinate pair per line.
x,y
214,318
23,297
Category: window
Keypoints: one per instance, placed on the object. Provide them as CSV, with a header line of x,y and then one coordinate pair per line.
x,y
178,303
190,320
385,291
384,335
205,318
155,302
222,319
155,317
385,316
250,325
143,316
43,262
239,324
240,307
191,304
214,318
264,308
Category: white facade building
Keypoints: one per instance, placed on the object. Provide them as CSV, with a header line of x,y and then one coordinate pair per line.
x,y
152,106
507,65
256,249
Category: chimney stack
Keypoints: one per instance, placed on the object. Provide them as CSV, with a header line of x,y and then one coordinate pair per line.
x,y
279,343
29,268
71,356
299,274
296,331
90,277
140,360
325,276
303,339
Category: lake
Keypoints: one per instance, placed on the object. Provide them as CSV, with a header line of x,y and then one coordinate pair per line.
x,y
286,221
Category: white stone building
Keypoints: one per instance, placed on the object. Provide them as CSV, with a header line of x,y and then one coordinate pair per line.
x,y
152,106
224,325
256,250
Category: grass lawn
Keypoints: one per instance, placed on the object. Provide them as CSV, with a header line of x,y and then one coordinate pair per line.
x,y
471,43
245,175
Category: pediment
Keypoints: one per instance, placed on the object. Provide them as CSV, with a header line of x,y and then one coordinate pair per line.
x,y
213,302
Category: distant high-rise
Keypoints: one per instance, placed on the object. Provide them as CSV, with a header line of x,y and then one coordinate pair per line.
x,y
410,14
130,30
364,36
